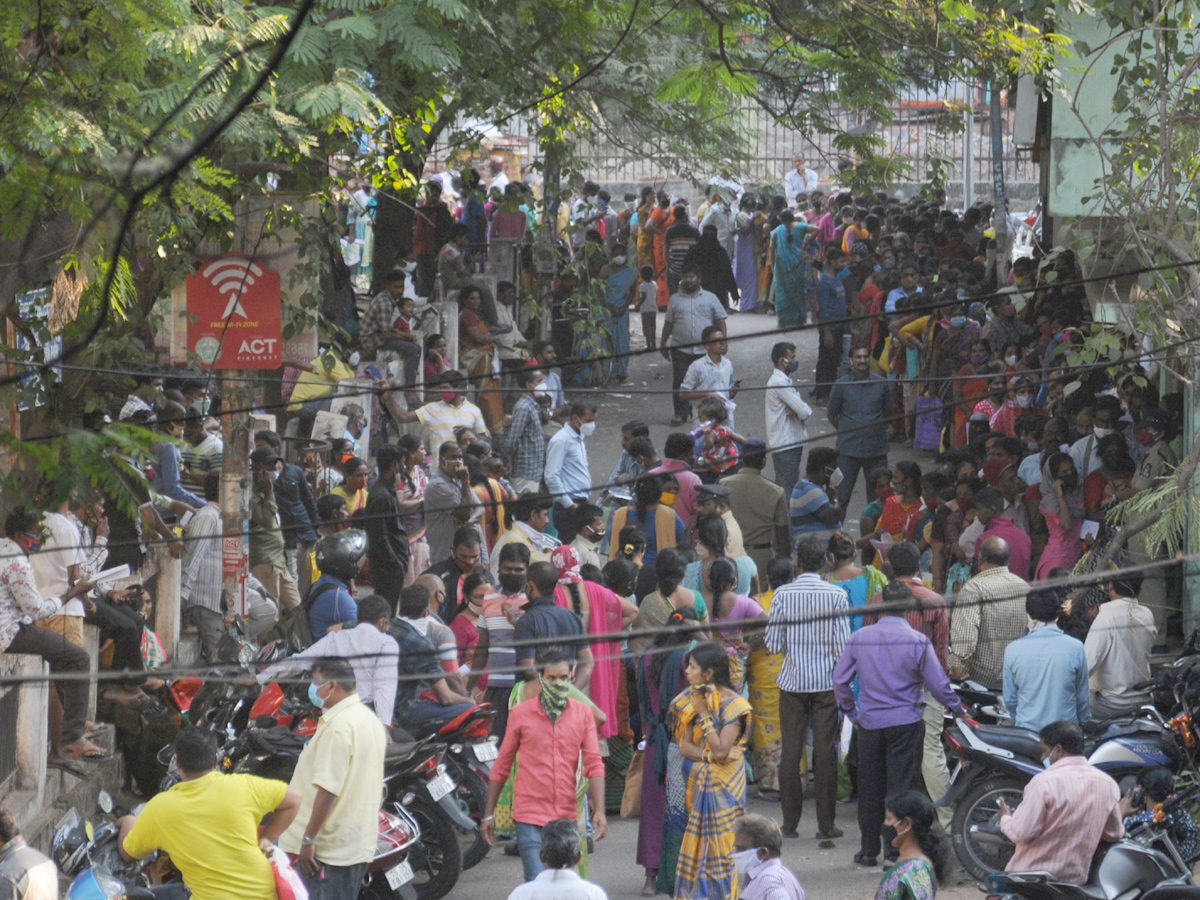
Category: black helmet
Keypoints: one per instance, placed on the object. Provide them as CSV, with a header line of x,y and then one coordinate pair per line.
x,y
70,845
339,554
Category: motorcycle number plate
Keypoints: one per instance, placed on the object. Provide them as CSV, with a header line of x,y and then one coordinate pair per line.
x,y
486,752
401,874
441,786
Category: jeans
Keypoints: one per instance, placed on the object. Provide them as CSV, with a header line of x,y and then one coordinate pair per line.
x,y
787,469
851,466
827,361
334,882
796,713
123,627
411,351
529,842
888,762
63,656
680,360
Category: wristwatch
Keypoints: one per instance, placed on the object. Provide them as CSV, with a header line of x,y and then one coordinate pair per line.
x,y
307,841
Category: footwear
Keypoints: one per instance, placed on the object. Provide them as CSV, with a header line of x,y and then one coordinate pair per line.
x,y
830,834
650,888
591,844
676,422
511,849
791,834
84,750
868,861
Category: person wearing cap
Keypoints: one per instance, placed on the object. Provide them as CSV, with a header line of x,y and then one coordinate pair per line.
x,y
268,556
759,507
1020,401
713,500
998,522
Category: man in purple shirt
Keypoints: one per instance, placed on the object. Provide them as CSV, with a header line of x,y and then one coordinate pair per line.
x,y
890,709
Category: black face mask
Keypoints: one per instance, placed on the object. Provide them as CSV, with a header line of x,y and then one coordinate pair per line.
x,y
1070,482
511,582
790,366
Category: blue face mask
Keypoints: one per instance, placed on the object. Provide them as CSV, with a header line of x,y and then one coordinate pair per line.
x,y
958,321
845,273
878,267
315,697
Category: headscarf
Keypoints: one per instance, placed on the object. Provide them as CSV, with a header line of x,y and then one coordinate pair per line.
x,y
566,560
553,697
1049,504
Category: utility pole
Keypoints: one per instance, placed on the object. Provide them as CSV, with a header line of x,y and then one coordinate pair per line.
x,y
236,395
1000,213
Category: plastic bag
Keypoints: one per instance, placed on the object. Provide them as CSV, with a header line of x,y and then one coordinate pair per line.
x,y
288,883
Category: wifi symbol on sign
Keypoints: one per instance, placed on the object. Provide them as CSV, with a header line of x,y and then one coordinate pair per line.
x,y
232,277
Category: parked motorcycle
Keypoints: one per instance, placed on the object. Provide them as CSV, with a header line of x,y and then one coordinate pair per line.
x,y
995,762
469,754
91,856
1144,865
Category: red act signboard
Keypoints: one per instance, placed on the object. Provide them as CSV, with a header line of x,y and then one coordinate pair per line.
x,y
235,315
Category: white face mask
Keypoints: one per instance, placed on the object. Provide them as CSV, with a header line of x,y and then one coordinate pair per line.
x,y
618,260
836,478
1101,432
1010,360
1024,400
542,388
409,267
743,861
587,429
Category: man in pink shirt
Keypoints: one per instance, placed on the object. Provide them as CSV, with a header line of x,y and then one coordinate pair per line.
x,y
677,453
989,506
1065,812
554,730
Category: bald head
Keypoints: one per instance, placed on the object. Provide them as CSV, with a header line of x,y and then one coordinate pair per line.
x,y
994,553
437,591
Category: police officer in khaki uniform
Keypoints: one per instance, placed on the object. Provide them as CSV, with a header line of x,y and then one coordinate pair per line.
x,y
1155,431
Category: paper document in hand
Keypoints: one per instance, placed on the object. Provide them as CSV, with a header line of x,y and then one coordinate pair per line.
x,y
884,544
114,574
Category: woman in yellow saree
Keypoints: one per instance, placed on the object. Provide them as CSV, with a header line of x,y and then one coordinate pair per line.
x,y
711,724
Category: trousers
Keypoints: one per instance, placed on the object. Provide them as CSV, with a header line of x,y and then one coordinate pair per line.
x,y
851,466
334,882
934,770
63,656
680,360
787,469
796,713
888,762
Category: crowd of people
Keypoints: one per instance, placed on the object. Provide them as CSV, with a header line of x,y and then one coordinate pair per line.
x,y
711,629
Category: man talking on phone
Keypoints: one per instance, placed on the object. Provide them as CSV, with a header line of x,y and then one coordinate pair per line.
x,y
449,501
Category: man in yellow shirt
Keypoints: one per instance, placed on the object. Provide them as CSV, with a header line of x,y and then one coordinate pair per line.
x,y
208,823
340,780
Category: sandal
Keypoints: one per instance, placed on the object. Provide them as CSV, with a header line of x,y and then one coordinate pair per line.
x,y
57,762
85,751
861,859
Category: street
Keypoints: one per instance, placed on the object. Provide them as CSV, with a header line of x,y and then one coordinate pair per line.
x,y
823,872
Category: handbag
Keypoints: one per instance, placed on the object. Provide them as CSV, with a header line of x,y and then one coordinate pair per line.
x,y
928,434
631,799
288,883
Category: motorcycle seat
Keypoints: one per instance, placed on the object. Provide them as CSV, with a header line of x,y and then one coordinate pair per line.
x,y
430,726
400,750
1021,741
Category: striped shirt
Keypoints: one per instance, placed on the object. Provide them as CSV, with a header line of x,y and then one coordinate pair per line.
x,y
441,418
502,655
988,615
807,626
1065,813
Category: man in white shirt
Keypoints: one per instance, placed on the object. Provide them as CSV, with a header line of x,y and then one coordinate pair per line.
x,y
370,650
1118,648
787,417
800,181
719,216
559,880
58,564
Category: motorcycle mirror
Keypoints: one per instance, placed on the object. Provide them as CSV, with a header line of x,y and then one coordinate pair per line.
x,y
105,802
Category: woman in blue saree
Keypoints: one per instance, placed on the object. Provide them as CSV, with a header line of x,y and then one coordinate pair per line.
x,y
788,242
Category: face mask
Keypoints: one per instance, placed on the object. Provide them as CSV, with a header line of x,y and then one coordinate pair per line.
x,y
1101,432
668,498
1047,762
541,388
1146,438
314,697
618,260
958,321
899,838
597,536
553,697
836,478
884,492
201,406
978,359
409,267
544,415
587,429
845,273
889,264
1010,360
1069,482
790,366
1024,400
449,397
274,474
511,582
476,608
1008,311
630,205
878,267
743,861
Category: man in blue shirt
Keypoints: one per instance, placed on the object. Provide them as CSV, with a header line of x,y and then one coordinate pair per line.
x,y
831,307
330,601
568,477
860,406
810,509
1046,671
167,475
